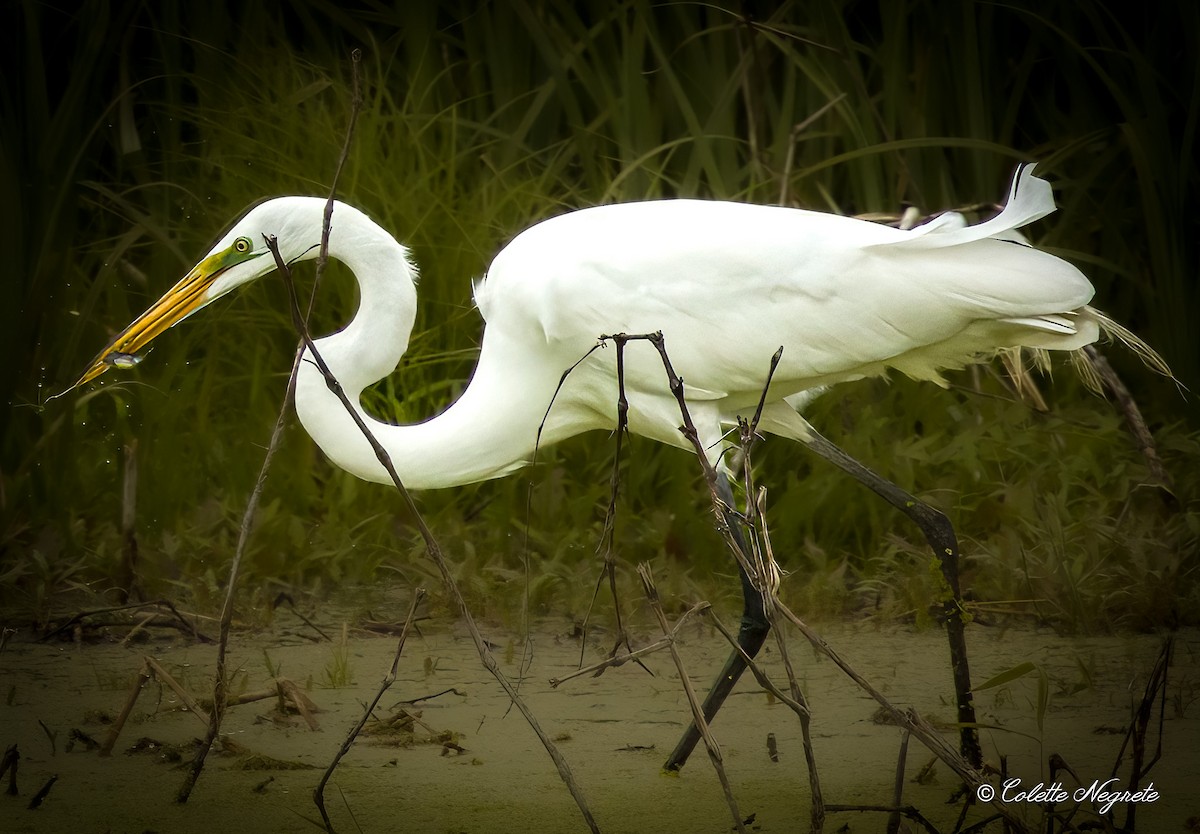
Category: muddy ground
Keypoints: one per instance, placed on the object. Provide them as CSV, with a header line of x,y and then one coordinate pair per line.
x,y
615,731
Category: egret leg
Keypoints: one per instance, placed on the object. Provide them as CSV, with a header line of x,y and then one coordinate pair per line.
x,y
939,533
750,637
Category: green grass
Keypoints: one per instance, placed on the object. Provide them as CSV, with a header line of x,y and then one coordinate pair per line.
x,y
477,122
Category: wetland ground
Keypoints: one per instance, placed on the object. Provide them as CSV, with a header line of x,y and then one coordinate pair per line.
x,y
615,731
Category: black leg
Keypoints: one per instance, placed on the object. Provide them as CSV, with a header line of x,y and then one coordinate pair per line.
x,y
939,533
751,637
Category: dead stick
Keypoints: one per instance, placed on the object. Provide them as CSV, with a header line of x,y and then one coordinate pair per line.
x,y
1133,417
144,676
139,627
166,677
40,796
388,680
309,622
450,691
220,686
765,682
300,702
710,743
612,660
898,787
768,578
619,660
221,683
432,548
51,736
129,560
908,720
94,612
9,764
186,623
609,530
299,694
233,700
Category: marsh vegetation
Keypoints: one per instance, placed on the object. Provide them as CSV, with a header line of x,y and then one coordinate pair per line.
x,y
130,156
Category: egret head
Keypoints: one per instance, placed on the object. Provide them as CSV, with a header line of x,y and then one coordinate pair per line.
x,y
238,257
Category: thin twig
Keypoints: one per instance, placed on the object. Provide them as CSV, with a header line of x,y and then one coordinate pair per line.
x,y
766,577
388,680
609,530
292,605
634,655
221,683
94,612
432,548
908,720
1133,418
765,682
450,691
166,677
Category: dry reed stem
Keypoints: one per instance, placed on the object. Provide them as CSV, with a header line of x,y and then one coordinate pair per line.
x,y
144,676
138,628
150,669
292,605
220,676
798,705
175,686
300,701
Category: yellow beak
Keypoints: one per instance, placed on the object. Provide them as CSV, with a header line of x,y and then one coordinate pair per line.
x,y
183,299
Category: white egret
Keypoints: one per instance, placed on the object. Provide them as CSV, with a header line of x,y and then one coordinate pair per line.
x,y
726,283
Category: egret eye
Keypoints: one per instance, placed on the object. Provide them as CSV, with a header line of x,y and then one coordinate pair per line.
x,y
241,245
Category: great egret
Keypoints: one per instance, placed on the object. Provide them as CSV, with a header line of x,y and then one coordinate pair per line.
x,y
726,283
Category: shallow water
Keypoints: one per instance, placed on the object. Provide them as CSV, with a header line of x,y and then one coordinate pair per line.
x,y
615,731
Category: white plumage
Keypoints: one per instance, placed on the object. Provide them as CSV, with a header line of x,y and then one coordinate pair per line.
x,y
726,283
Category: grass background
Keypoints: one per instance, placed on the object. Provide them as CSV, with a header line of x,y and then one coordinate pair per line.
x,y
133,133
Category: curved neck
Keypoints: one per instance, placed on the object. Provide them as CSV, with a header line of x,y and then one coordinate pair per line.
x,y
480,436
